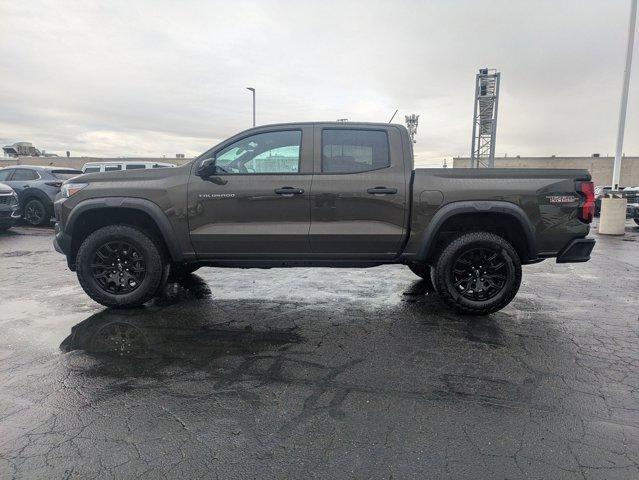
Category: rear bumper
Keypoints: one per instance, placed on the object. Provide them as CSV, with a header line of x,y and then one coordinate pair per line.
x,y
577,250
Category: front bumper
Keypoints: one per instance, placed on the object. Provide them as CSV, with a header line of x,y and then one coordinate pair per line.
x,y
61,241
9,214
577,250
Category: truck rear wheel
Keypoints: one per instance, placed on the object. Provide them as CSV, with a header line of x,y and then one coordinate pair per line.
x,y
478,273
120,266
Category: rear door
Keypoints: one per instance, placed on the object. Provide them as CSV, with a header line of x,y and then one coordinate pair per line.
x,y
359,193
257,202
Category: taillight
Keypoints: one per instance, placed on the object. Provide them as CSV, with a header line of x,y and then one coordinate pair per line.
x,y
587,207
54,184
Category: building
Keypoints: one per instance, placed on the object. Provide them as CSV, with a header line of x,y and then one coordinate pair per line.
x,y
21,149
599,167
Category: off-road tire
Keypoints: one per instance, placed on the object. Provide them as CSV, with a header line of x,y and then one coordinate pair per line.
x,y
443,273
155,273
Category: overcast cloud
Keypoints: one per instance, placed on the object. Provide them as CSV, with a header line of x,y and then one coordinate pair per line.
x,y
147,78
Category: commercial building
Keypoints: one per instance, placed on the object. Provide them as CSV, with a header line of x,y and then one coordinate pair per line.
x,y
600,167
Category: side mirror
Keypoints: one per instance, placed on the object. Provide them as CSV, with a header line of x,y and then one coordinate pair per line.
x,y
206,169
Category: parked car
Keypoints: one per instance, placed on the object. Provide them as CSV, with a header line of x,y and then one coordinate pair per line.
x,y
632,207
600,192
94,167
322,195
36,188
9,207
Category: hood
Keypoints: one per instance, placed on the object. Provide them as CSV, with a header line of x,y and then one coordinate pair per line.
x,y
4,189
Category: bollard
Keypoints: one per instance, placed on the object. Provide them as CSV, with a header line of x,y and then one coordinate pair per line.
x,y
612,220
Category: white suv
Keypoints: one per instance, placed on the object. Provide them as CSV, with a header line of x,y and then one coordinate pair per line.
x,y
94,167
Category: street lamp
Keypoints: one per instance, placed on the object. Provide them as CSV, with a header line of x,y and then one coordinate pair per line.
x,y
253,90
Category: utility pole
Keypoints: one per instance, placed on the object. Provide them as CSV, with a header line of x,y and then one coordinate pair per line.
x,y
253,90
612,220
616,171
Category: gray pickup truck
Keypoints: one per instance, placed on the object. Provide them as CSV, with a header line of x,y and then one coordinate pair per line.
x,y
322,195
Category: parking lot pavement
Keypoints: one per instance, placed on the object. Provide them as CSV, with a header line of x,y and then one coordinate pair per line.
x,y
319,373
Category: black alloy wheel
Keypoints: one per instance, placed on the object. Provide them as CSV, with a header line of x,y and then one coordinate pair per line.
x,y
118,267
35,213
477,273
480,274
121,266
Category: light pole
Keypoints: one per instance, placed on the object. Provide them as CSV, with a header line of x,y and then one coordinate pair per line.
x,y
612,220
253,90
616,171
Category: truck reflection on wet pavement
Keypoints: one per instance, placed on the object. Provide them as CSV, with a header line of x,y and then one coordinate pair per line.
x,y
140,332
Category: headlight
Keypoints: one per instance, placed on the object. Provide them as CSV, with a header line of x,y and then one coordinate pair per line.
x,y
14,199
69,189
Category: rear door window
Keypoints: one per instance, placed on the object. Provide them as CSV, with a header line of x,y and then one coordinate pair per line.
x,y
353,151
112,168
24,174
135,166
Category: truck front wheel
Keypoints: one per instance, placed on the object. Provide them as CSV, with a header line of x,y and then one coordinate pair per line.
x,y
477,273
120,266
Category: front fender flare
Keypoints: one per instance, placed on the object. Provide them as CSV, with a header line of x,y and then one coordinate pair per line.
x,y
427,244
131,203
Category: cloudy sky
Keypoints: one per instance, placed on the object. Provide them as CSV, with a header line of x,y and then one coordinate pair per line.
x,y
147,78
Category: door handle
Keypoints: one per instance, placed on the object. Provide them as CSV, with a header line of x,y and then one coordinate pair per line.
x,y
382,191
289,191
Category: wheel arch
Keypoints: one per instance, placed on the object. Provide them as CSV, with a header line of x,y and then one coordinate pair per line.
x,y
136,212
32,193
506,218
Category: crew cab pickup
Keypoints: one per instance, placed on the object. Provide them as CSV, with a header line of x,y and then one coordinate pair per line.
x,y
322,195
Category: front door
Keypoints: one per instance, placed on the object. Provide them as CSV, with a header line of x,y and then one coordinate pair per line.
x,y
256,201
360,189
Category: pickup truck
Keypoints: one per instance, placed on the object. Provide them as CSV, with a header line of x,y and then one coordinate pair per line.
x,y
322,195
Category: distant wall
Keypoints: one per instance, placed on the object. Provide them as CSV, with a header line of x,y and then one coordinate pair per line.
x,y
599,167
78,162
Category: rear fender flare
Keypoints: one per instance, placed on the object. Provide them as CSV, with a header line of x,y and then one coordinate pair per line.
x,y
427,244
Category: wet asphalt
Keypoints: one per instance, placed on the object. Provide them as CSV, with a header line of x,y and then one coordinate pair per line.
x,y
319,373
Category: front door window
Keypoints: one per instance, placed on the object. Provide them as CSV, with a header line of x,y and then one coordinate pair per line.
x,y
264,153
